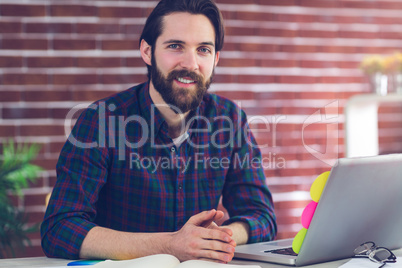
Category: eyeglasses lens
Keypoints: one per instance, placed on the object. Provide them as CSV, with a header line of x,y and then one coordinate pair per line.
x,y
380,255
363,248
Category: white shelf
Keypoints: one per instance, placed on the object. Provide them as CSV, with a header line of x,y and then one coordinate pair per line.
x,y
361,123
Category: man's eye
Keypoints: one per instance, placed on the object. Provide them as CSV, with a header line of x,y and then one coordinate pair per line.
x,y
204,50
173,46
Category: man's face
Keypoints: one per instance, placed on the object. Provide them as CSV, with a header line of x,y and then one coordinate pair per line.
x,y
183,60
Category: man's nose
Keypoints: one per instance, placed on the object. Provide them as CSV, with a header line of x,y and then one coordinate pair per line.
x,y
189,61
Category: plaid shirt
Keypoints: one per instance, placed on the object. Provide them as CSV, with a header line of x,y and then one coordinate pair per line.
x,y
120,169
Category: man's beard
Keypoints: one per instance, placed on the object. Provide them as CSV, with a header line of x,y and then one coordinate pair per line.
x,y
180,100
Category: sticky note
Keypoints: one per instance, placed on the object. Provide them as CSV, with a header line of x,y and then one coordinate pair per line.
x,y
308,213
298,240
318,186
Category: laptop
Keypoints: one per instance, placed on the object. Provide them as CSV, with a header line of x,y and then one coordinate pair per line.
x,y
361,201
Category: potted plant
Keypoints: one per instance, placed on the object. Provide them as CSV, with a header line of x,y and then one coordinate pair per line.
x,y
373,66
16,172
394,68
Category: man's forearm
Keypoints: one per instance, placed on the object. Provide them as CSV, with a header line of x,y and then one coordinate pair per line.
x,y
240,232
103,243
195,240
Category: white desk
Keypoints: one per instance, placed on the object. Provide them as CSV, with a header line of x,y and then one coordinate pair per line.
x,y
47,262
361,123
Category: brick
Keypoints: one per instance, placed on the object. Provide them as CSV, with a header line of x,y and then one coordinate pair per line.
x,y
10,61
276,95
253,16
25,44
74,44
55,147
318,3
298,49
24,113
7,131
225,78
134,62
48,28
46,164
295,79
237,95
289,110
241,31
49,96
73,11
52,181
41,130
276,32
301,18
36,217
119,45
339,79
34,200
318,64
91,95
48,62
22,10
339,49
25,79
75,79
236,62
59,113
132,29
317,34
255,79
258,47
355,34
316,95
10,96
97,28
120,12
99,62
10,27
261,110
116,78
390,35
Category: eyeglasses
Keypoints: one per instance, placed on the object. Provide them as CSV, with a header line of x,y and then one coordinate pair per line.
x,y
376,254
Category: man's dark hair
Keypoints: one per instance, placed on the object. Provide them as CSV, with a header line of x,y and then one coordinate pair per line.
x,y
153,26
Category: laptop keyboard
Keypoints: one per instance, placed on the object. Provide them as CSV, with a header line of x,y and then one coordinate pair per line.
x,y
283,251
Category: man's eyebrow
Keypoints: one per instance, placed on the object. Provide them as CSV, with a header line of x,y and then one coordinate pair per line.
x,y
173,41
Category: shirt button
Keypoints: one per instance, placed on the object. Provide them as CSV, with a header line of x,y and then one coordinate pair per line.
x,y
173,149
180,186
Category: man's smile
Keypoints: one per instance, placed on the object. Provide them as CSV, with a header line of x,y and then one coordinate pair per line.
x,y
185,80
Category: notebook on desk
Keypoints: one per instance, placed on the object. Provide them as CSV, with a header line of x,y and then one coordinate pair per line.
x,y
361,201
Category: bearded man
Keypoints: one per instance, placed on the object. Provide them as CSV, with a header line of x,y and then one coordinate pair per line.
x,y
143,171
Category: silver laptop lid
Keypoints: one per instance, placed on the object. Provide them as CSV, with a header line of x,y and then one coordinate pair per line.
x,y
362,201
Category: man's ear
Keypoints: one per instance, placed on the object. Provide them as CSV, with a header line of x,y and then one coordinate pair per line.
x,y
146,52
217,57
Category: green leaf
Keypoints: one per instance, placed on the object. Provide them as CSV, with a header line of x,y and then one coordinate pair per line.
x,y
16,172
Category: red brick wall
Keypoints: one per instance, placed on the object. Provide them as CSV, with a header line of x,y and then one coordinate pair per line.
x,y
286,61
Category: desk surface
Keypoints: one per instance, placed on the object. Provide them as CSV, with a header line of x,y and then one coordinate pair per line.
x,y
48,262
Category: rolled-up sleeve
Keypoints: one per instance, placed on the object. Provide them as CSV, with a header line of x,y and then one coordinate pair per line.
x,y
81,173
246,195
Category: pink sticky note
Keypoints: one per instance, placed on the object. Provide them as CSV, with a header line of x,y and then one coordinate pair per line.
x,y
308,213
